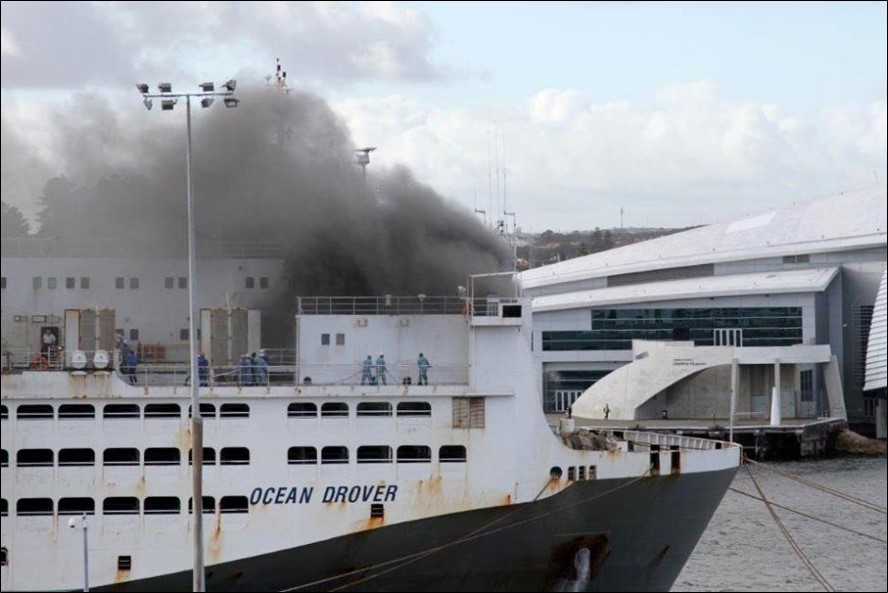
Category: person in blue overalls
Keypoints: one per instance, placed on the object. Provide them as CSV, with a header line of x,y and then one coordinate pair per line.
x,y
423,363
380,370
131,363
203,370
367,371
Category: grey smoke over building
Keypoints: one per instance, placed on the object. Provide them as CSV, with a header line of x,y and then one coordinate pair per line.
x,y
280,168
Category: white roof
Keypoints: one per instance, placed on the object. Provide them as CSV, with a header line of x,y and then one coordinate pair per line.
x,y
794,281
876,354
850,220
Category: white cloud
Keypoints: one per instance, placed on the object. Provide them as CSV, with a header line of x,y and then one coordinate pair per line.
x,y
688,157
70,45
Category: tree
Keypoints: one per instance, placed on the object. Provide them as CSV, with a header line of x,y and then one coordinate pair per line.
x,y
13,224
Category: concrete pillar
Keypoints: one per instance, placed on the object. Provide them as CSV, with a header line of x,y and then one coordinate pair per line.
x,y
776,417
735,382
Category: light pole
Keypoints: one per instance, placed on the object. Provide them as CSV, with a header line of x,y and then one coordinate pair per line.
x,y
168,101
72,523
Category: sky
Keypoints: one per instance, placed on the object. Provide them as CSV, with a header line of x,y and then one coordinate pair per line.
x,y
676,113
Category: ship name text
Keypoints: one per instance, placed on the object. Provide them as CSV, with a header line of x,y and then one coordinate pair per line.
x,y
303,495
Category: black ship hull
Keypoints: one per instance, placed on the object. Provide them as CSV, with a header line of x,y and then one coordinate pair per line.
x,y
597,535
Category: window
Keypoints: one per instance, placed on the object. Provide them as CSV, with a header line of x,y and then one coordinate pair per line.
x,y
70,282
118,282
3,282
38,282
452,454
340,339
183,334
134,334
325,339
234,456
263,282
234,504
234,411
209,505
209,456
796,259
120,411
4,458
250,282
302,410
84,282
34,412
120,505
162,411
162,456
806,386
374,409
76,457
334,455
34,458
334,410
374,454
51,283
468,412
614,329
414,454
31,507
183,282
4,413
77,506
414,409
77,411
121,456
512,311
302,456
4,510
169,282
134,283
162,505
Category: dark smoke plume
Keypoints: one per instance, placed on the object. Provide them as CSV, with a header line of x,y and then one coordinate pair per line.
x,y
280,168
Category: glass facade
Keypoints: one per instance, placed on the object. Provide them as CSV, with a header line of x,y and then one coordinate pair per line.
x,y
614,329
562,388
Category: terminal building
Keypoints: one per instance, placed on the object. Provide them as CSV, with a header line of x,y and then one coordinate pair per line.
x,y
796,285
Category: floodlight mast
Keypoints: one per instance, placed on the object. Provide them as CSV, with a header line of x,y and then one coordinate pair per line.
x,y
168,101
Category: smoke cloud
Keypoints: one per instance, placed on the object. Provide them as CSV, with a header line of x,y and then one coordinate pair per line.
x,y
280,168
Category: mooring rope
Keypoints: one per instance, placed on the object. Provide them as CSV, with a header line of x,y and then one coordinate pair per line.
x,y
838,493
812,517
792,543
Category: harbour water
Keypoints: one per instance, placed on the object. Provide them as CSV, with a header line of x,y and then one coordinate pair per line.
x,y
744,550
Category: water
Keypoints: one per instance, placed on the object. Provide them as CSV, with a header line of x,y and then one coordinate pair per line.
x,y
744,550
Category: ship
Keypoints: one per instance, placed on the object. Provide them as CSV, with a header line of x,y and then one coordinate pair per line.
x,y
331,472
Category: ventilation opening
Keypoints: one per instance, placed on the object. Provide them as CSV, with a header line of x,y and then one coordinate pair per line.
x,y
571,474
581,473
593,472
162,411
124,563
4,556
302,410
377,510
